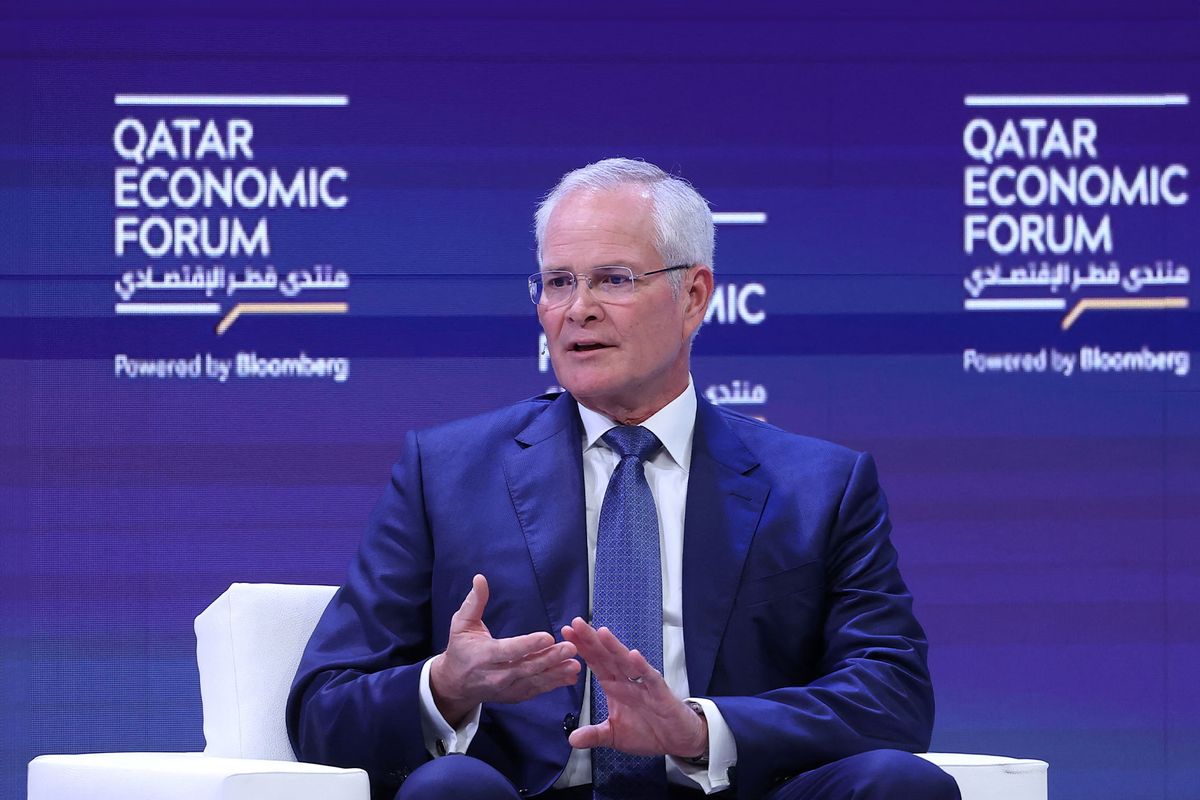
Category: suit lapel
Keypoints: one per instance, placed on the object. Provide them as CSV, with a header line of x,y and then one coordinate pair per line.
x,y
724,505
545,482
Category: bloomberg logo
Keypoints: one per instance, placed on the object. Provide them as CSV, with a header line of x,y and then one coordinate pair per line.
x,y
732,304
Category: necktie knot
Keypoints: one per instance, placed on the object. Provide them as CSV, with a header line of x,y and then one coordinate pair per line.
x,y
632,440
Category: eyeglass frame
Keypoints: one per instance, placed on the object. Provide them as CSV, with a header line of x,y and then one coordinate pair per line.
x,y
587,276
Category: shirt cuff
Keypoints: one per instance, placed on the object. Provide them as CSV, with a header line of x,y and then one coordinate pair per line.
x,y
722,751
440,738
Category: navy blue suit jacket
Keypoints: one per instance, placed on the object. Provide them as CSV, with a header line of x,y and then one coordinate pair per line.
x,y
796,621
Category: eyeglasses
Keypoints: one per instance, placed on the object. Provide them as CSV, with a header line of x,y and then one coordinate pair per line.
x,y
556,287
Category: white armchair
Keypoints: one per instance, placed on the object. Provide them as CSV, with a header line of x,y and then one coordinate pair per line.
x,y
248,644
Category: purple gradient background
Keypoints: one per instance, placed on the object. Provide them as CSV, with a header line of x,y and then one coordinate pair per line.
x,y
1046,526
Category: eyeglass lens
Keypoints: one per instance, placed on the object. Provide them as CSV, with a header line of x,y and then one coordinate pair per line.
x,y
554,287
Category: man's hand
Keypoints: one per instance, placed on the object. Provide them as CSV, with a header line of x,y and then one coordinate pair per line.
x,y
644,718
478,669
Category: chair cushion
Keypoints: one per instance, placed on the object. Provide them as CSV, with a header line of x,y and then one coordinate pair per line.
x,y
981,777
188,776
248,645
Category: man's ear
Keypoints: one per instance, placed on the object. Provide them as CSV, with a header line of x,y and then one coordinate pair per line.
x,y
698,291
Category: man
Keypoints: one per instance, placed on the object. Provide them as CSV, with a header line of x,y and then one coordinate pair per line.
x,y
750,631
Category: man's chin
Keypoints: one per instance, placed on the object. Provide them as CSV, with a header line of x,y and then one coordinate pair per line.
x,y
584,380
591,392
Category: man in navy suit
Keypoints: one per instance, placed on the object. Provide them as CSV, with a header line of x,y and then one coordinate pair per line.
x,y
452,662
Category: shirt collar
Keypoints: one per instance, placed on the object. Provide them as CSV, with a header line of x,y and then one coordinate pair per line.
x,y
673,424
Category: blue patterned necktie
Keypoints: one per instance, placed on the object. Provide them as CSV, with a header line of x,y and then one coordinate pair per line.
x,y
628,599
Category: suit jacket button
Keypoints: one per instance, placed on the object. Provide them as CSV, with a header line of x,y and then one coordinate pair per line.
x,y
570,723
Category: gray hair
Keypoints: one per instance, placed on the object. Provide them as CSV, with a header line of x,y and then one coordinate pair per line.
x,y
682,220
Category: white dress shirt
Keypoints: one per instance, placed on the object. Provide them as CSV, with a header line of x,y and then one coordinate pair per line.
x,y
667,475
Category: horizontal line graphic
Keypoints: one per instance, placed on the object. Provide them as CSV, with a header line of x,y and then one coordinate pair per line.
x,y
168,308
284,100
1033,304
1116,100
740,217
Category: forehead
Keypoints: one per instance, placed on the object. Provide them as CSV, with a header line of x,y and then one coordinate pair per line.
x,y
591,228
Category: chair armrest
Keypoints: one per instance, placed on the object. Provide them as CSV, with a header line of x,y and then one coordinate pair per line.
x,y
981,777
189,776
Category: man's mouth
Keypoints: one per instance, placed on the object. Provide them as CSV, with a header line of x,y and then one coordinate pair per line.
x,y
587,347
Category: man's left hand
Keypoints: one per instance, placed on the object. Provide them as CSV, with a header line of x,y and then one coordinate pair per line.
x,y
644,717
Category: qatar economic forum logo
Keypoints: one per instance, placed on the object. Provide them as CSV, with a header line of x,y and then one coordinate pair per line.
x,y
1046,203
194,193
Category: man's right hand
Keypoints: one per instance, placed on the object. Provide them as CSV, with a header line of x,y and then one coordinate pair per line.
x,y
477,668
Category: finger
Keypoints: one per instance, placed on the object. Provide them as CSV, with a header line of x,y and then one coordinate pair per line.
x,y
589,736
609,641
651,686
577,638
515,648
475,602
620,659
565,671
578,630
606,664
563,674
616,669
635,664
544,659
584,637
603,664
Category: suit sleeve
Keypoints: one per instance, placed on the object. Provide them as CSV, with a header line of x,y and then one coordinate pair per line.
x,y
355,699
870,688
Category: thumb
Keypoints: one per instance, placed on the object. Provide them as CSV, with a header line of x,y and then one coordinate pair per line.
x,y
475,602
587,737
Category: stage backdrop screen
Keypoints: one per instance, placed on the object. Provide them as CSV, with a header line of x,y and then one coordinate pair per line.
x,y
248,247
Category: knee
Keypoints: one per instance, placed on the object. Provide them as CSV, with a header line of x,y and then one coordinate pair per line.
x,y
456,776
889,774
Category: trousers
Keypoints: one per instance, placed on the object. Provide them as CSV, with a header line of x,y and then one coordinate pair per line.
x,y
873,775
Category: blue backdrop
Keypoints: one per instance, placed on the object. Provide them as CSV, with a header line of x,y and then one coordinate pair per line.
x,y
956,236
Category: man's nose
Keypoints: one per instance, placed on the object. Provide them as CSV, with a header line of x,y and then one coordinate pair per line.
x,y
583,304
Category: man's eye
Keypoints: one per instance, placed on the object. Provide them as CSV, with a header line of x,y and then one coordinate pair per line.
x,y
614,280
560,282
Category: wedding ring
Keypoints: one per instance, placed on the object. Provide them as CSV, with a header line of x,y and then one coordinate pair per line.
x,y
638,679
